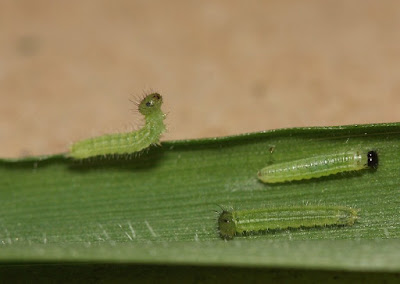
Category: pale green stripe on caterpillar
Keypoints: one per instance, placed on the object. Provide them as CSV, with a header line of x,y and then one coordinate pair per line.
x,y
231,223
318,166
126,143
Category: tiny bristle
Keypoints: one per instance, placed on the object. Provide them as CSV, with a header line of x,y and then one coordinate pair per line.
x,y
220,206
136,100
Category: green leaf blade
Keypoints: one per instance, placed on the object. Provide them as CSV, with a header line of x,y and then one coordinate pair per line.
x,y
149,208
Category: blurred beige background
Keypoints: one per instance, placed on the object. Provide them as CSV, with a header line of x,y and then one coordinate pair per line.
x,y
69,68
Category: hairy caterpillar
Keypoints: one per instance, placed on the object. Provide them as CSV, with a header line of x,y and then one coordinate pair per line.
x,y
231,223
130,142
318,166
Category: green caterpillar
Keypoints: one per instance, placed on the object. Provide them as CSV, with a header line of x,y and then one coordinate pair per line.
x,y
231,223
318,166
130,142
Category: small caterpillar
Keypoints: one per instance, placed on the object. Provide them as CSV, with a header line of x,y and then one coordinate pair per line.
x,y
247,221
318,166
130,142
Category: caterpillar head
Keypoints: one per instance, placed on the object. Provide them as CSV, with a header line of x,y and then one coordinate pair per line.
x,y
226,225
150,103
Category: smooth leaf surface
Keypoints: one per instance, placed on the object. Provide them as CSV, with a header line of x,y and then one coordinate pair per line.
x,y
160,207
